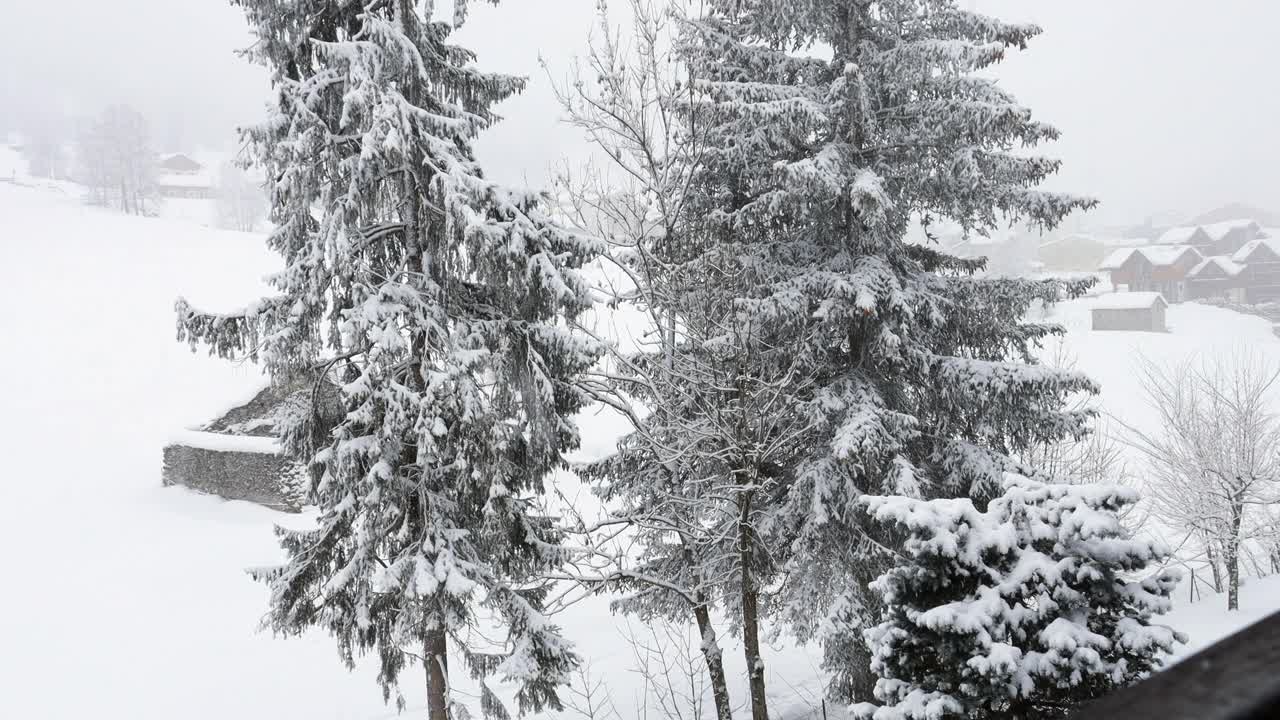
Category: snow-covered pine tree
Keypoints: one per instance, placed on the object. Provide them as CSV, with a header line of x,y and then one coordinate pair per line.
x,y
856,362
437,300
1025,610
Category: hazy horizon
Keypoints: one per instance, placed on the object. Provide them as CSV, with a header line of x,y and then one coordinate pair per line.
x,y
1158,111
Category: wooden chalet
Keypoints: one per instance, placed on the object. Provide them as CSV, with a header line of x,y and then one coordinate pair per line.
x,y
1228,237
1217,277
1156,268
179,164
1261,275
1194,236
182,177
1223,238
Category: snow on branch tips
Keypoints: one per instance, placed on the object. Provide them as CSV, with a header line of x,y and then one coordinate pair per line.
x,y
1029,608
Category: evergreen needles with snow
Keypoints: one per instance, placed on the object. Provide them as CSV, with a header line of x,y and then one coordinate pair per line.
x,y
1024,610
823,355
437,301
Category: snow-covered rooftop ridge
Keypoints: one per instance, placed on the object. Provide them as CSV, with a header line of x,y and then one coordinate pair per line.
x,y
1161,255
1128,301
1214,231
1220,230
1226,264
1178,235
1242,255
1158,255
222,442
1116,259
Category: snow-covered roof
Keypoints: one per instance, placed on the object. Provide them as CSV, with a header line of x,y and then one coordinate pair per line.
x,y
1220,230
1242,255
1164,255
1226,264
1178,235
1158,255
1116,259
1129,301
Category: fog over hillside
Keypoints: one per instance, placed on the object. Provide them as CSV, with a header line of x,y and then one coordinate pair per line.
x,y
1161,112
639,359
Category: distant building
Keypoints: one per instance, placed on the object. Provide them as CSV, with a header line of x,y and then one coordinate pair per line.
x,y
1231,235
1260,278
1217,277
1155,268
1130,311
1234,260
1196,237
1221,238
179,164
180,176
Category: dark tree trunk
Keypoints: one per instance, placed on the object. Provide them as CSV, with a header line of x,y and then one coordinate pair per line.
x,y
715,661
750,610
437,661
711,652
1232,558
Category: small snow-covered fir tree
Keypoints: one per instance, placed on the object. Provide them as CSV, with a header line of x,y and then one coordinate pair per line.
x,y
438,302
1025,610
842,359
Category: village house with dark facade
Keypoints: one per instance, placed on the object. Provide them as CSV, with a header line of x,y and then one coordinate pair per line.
x,y
1225,261
1236,261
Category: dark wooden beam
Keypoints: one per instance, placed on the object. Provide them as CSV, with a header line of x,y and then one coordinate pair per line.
x,y
1236,679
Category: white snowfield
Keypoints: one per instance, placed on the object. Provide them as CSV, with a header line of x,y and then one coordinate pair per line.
x,y
124,599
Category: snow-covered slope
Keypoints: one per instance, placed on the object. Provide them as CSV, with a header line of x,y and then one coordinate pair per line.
x,y
1206,621
127,600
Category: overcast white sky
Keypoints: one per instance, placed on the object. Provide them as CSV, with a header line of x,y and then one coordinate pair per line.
x,y
1166,105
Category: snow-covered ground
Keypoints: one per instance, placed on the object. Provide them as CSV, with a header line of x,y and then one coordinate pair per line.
x,y
190,210
124,599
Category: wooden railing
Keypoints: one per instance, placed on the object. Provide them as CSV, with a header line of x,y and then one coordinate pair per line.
x,y
1236,679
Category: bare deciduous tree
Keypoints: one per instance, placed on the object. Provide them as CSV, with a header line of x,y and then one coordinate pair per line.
x,y
1212,466
116,161
623,99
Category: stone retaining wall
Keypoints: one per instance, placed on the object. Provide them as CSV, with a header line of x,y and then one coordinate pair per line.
x,y
263,478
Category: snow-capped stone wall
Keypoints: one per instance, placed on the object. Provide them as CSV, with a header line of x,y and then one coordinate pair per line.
x,y
238,456
265,478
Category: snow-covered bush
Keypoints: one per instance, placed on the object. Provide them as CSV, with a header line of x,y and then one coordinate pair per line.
x,y
1026,610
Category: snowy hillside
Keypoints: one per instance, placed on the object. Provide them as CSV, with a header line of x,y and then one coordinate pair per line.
x,y
138,594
